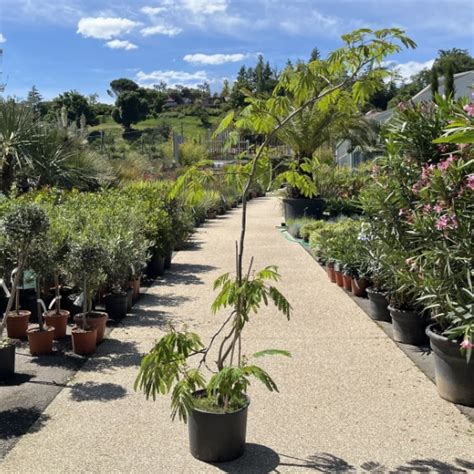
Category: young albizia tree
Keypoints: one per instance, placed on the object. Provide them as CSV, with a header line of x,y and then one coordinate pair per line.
x,y
352,72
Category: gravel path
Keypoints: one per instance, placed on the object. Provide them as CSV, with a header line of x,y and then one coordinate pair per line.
x,y
350,399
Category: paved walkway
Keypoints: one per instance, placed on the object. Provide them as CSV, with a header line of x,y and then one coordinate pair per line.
x,y
350,399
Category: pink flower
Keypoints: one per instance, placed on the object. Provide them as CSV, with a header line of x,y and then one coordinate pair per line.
x,y
469,109
467,344
447,222
401,212
415,189
426,172
375,170
444,165
438,208
470,182
427,208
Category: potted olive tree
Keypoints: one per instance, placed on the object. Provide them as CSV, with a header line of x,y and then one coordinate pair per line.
x,y
86,262
22,226
57,249
121,250
40,338
216,407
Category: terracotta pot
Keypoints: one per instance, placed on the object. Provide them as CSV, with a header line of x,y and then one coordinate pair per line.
x,y
41,342
254,194
57,321
84,342
212,214
136,287
96,320
347,282
331,273
339,279
17,324
359,286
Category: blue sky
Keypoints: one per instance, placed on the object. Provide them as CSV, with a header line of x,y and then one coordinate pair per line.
x,y
60,45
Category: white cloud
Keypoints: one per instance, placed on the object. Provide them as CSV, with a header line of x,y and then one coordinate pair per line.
x,y
2,39
408,69
161,30
104,28
214,59
152,11
172,77
119,44
205,7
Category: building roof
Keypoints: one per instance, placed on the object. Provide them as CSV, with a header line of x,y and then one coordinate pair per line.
x,y
463,87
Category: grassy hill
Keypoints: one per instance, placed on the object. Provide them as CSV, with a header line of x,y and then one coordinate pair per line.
x,y
190,125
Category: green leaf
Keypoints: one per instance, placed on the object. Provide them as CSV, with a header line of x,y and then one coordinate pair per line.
x,y
268,352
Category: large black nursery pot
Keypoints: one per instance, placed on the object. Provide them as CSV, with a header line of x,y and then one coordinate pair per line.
x,y
116,305
296,208
409,327
167,262
454,375
217,437
378,305
7,360
156,266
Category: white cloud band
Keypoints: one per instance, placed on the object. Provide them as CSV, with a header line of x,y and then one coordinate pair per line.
x,y
214,59
104,28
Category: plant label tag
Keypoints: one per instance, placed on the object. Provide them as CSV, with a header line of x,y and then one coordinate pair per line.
x,y
29,280
78,301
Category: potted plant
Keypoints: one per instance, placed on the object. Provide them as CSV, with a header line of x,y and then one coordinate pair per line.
x,y
57,248
86,262
217,408
40,339
117,274
22,226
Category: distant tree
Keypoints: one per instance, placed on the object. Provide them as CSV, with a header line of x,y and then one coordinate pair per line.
x,y
225,93
161,86
34,98
155,99
315,54
434,82
76,105
123,84
204,89
460,59
130,108
241,84
449,90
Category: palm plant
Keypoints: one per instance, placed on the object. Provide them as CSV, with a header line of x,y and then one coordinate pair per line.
x,y
17,132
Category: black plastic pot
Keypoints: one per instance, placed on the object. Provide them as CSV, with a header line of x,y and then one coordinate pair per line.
x,y
409,327
7,361
454,376
129,300
217,437
378,305
116,305
296,208
156,266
